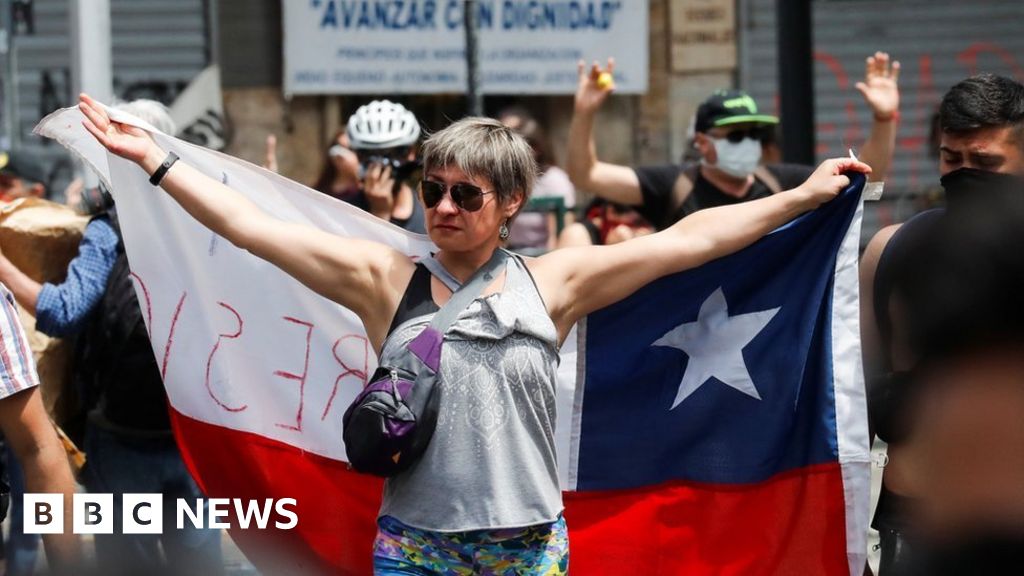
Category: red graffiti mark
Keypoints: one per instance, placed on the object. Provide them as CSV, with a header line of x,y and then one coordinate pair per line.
x,y
913,141
301,378
836,67
853,132
209,360
170,336
820,147
969,57
358,373
149,305
926,79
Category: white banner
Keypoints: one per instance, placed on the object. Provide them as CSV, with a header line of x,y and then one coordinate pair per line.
x,y
240,343
418,46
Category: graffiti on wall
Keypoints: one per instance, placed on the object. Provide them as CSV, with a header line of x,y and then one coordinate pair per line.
x,y
914,174
919,103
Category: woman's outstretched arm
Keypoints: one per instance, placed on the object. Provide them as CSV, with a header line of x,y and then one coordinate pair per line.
x,y
577,281
364,276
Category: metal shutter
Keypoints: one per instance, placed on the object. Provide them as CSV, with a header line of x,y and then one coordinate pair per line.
x,y
158,46
938,43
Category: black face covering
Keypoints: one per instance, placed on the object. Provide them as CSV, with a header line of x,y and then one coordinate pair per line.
x,y
970,184
960,282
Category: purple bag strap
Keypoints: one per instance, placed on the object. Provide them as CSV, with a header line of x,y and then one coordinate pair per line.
x,y
427,345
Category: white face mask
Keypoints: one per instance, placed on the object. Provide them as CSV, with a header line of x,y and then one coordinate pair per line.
x,y
737,160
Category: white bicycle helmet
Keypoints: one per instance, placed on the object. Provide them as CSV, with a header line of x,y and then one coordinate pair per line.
x,y
382,124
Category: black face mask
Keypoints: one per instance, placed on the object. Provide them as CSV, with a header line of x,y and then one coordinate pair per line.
x,y
967,184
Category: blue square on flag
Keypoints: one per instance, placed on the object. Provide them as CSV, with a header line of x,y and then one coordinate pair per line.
x,y
721,374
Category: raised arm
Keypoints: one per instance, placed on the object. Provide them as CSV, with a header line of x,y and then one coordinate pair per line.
x,y
880,89
577,281
366,277
609,181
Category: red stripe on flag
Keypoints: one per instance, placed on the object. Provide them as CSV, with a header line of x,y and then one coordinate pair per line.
x,y
336,507
794,524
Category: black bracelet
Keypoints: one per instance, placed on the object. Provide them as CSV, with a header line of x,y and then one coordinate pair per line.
x,y
161,171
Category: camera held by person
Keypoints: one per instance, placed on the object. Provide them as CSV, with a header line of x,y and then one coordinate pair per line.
x,y
384,135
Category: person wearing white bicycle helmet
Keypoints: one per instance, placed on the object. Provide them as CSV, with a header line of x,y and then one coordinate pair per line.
x,y
384,135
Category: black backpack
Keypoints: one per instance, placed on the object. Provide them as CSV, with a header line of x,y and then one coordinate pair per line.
x,y
115,368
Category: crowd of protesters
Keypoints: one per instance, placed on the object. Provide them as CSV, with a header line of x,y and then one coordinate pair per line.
x,y
942,327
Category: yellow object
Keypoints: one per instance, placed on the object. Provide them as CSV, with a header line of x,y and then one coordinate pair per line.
x,y
605,81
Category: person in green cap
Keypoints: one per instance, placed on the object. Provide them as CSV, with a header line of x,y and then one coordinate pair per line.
x,y
729,130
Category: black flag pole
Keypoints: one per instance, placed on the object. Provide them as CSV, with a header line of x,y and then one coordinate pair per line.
x,y
796,80
475,100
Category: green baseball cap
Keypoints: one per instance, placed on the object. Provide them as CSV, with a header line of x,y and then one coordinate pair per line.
x,y
726,107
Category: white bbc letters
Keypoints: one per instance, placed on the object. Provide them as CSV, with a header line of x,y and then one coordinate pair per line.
x,y
142,513
43,514
93,514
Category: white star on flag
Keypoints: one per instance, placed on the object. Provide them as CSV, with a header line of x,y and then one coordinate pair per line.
x,y
714,342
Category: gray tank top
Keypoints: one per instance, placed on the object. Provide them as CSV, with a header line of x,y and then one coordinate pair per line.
x,y
491,462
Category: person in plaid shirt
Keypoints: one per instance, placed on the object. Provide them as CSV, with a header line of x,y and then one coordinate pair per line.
x,y
27,428
127,431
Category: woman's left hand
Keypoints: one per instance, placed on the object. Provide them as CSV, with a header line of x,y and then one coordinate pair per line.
x,y
124,140
828,180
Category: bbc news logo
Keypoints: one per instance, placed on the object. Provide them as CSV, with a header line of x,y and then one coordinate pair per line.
x,y
144,513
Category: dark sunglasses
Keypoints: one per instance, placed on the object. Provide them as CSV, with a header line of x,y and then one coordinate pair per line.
x,y
466,196
737,136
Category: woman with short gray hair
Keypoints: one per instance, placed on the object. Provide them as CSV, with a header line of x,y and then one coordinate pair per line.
x,y
484,496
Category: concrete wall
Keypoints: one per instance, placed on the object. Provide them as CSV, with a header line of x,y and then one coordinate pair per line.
x,y
299,125
647,129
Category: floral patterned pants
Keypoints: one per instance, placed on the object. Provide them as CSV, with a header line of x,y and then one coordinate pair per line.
x,y
401,550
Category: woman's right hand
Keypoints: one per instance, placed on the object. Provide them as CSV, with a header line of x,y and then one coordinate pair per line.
x,y
828,180
126,141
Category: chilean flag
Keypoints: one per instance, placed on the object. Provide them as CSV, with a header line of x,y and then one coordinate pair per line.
x,y
712,423
720,422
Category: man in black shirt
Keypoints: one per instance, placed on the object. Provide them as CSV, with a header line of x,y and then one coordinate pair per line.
x,y
672,191
981,120
728,134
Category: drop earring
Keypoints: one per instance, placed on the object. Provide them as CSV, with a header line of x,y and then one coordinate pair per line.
x,y
503,231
